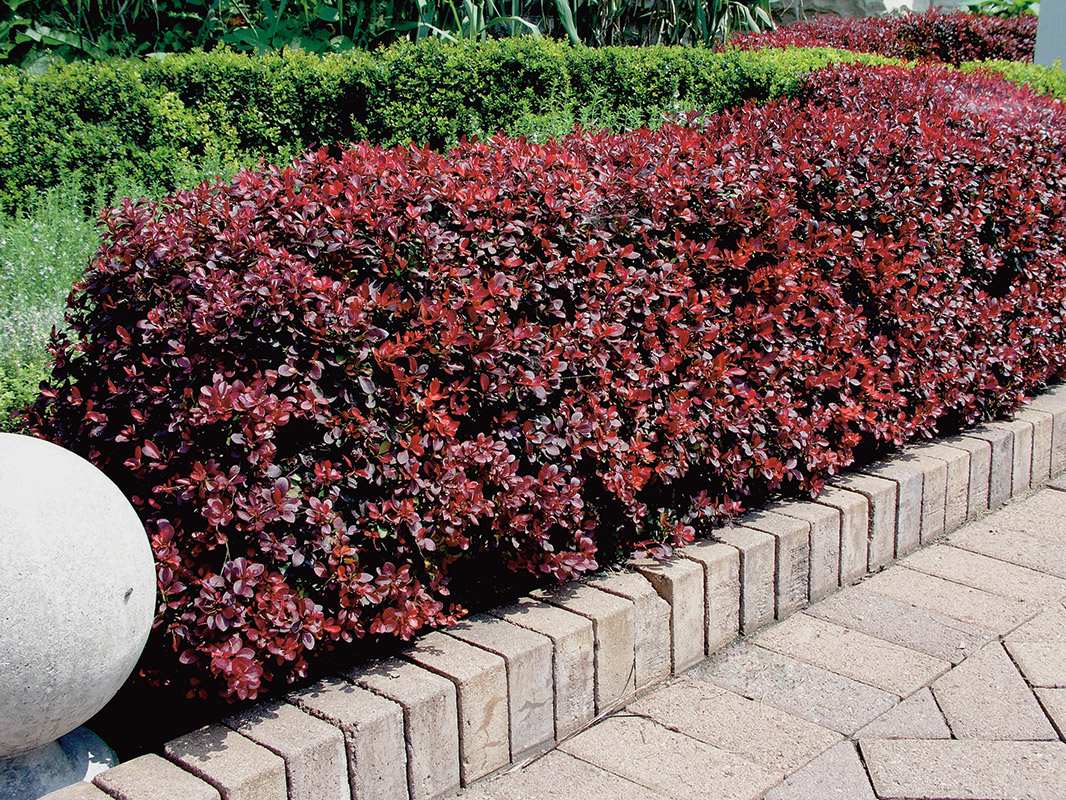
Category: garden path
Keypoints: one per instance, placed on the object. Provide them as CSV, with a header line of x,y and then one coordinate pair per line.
x,y
944,676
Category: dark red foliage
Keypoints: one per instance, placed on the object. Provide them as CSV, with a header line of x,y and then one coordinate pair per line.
x,y
933,36
324,385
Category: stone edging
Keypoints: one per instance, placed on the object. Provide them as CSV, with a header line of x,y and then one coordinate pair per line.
x,y
505,686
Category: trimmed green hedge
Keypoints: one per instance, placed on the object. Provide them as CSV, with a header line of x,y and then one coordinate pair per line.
x,y
146,122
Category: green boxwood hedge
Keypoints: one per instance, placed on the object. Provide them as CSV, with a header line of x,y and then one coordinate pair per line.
x,y
146,121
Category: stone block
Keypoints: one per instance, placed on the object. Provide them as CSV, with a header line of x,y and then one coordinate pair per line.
x,y
988,574
373,735
560,776
957,486
1022,463
77,791
805,690
573,659
1043,429
530,694
1054,703
680,582
480,679
151,777
854,511
966,770
793,556
764,734
1053,401
984,697
315,761
235,765
909,482
1001,472
1041,663
934,491
824,539
613,624
972,606
980,471
758,569
917,717
853,654
651,620
721,581
674,765
900,622
881,495
837,774
431,722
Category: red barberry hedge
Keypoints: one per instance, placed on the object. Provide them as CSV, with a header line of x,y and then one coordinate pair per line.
x,y
933,36
327,388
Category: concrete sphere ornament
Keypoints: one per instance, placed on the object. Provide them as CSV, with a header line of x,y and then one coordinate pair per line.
x,y
77,592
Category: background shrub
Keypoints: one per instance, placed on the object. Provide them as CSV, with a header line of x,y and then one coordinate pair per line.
x,y
933,36
332,389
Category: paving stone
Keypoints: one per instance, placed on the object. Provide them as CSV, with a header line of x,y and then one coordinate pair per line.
x,y
1029,533
560,776
1047,626
151,777
528,657
987,574
78,791
980,471
854,511
764,734
917,717
793,557
1042,663
431,722
573,659
909,482
480,679
966,770
651,615
758,568
883,504
238,767
837,774
957,487
818,695
1021,468
985,698
1054,402
721,582
824,544
1043,423
315,762
613,625
980,609
896,621
1054,703
680,582
670,763
1002,468
853,654
373,735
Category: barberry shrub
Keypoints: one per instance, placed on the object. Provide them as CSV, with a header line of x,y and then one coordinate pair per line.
x,y
934,36
330,387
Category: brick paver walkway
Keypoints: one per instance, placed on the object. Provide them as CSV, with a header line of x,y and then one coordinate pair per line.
x,y
944,676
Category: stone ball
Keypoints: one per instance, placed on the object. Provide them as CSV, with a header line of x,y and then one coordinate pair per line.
x,y
77,592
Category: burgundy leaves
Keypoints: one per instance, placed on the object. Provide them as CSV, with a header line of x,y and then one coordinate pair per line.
x,y
326,385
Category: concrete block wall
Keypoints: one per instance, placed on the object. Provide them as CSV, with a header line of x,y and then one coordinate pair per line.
x,y
504,686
